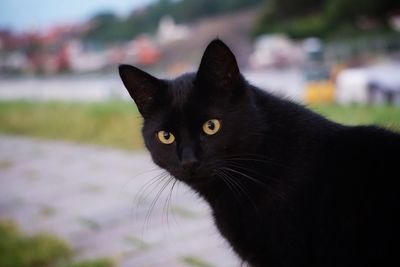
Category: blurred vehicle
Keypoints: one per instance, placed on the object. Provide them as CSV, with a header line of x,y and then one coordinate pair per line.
x,y
352,86
378,84
322,91
319,87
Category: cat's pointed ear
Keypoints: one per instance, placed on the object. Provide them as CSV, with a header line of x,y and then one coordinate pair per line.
x,y
142,87
218,66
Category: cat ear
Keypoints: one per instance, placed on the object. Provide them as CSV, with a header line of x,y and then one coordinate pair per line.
x,y
218,67
142,87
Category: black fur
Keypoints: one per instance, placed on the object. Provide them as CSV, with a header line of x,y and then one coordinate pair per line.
x,y
287,187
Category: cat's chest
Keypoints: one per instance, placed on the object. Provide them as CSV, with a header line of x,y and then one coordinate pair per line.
x,y
244,224
259,231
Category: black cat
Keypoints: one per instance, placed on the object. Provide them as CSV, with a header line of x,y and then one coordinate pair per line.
x,y
287,187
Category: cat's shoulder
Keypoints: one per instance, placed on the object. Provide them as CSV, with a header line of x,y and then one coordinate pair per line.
x,y
370,134
366,144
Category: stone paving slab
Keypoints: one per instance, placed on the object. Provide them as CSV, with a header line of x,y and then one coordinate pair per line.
x,y
96,198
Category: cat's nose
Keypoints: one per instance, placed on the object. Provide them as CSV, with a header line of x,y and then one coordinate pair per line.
x,y
188,158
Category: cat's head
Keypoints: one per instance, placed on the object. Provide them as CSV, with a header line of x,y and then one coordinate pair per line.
x,y
198,121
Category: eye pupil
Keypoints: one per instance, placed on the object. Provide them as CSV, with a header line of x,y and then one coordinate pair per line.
x,y
166,135
211,125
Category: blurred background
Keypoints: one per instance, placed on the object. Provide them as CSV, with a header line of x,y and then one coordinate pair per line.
x,y
77,187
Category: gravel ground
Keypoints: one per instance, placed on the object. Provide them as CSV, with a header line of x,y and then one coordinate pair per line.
x,y
97,199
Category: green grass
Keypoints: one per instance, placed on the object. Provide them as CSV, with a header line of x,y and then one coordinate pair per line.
x,y
385,116
19,250
118,123
106,123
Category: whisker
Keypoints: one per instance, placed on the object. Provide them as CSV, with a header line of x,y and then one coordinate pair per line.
x,y
140,194
238,191
138,175
243,190
171,196
228,182
271,184
244,175
156,181
153,203
245,169
166,206
253,158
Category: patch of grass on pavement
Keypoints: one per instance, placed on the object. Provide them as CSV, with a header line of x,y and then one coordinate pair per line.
x,y
183,212
89,223
91,263
47,211
5,164
137,242
195,262
19,250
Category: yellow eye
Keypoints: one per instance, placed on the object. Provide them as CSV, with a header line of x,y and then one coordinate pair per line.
x,y
211,127
165,137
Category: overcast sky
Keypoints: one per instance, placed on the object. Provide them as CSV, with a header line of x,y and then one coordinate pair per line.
x,y
27,14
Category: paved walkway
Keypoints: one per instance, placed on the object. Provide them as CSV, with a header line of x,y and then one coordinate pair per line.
x,y
97,199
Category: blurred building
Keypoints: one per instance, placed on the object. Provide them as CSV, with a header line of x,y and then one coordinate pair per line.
x,y
169,32
276,51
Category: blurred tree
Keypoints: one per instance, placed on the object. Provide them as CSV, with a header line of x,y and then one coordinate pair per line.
x,y
350,10
108,27
105,27
324,18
